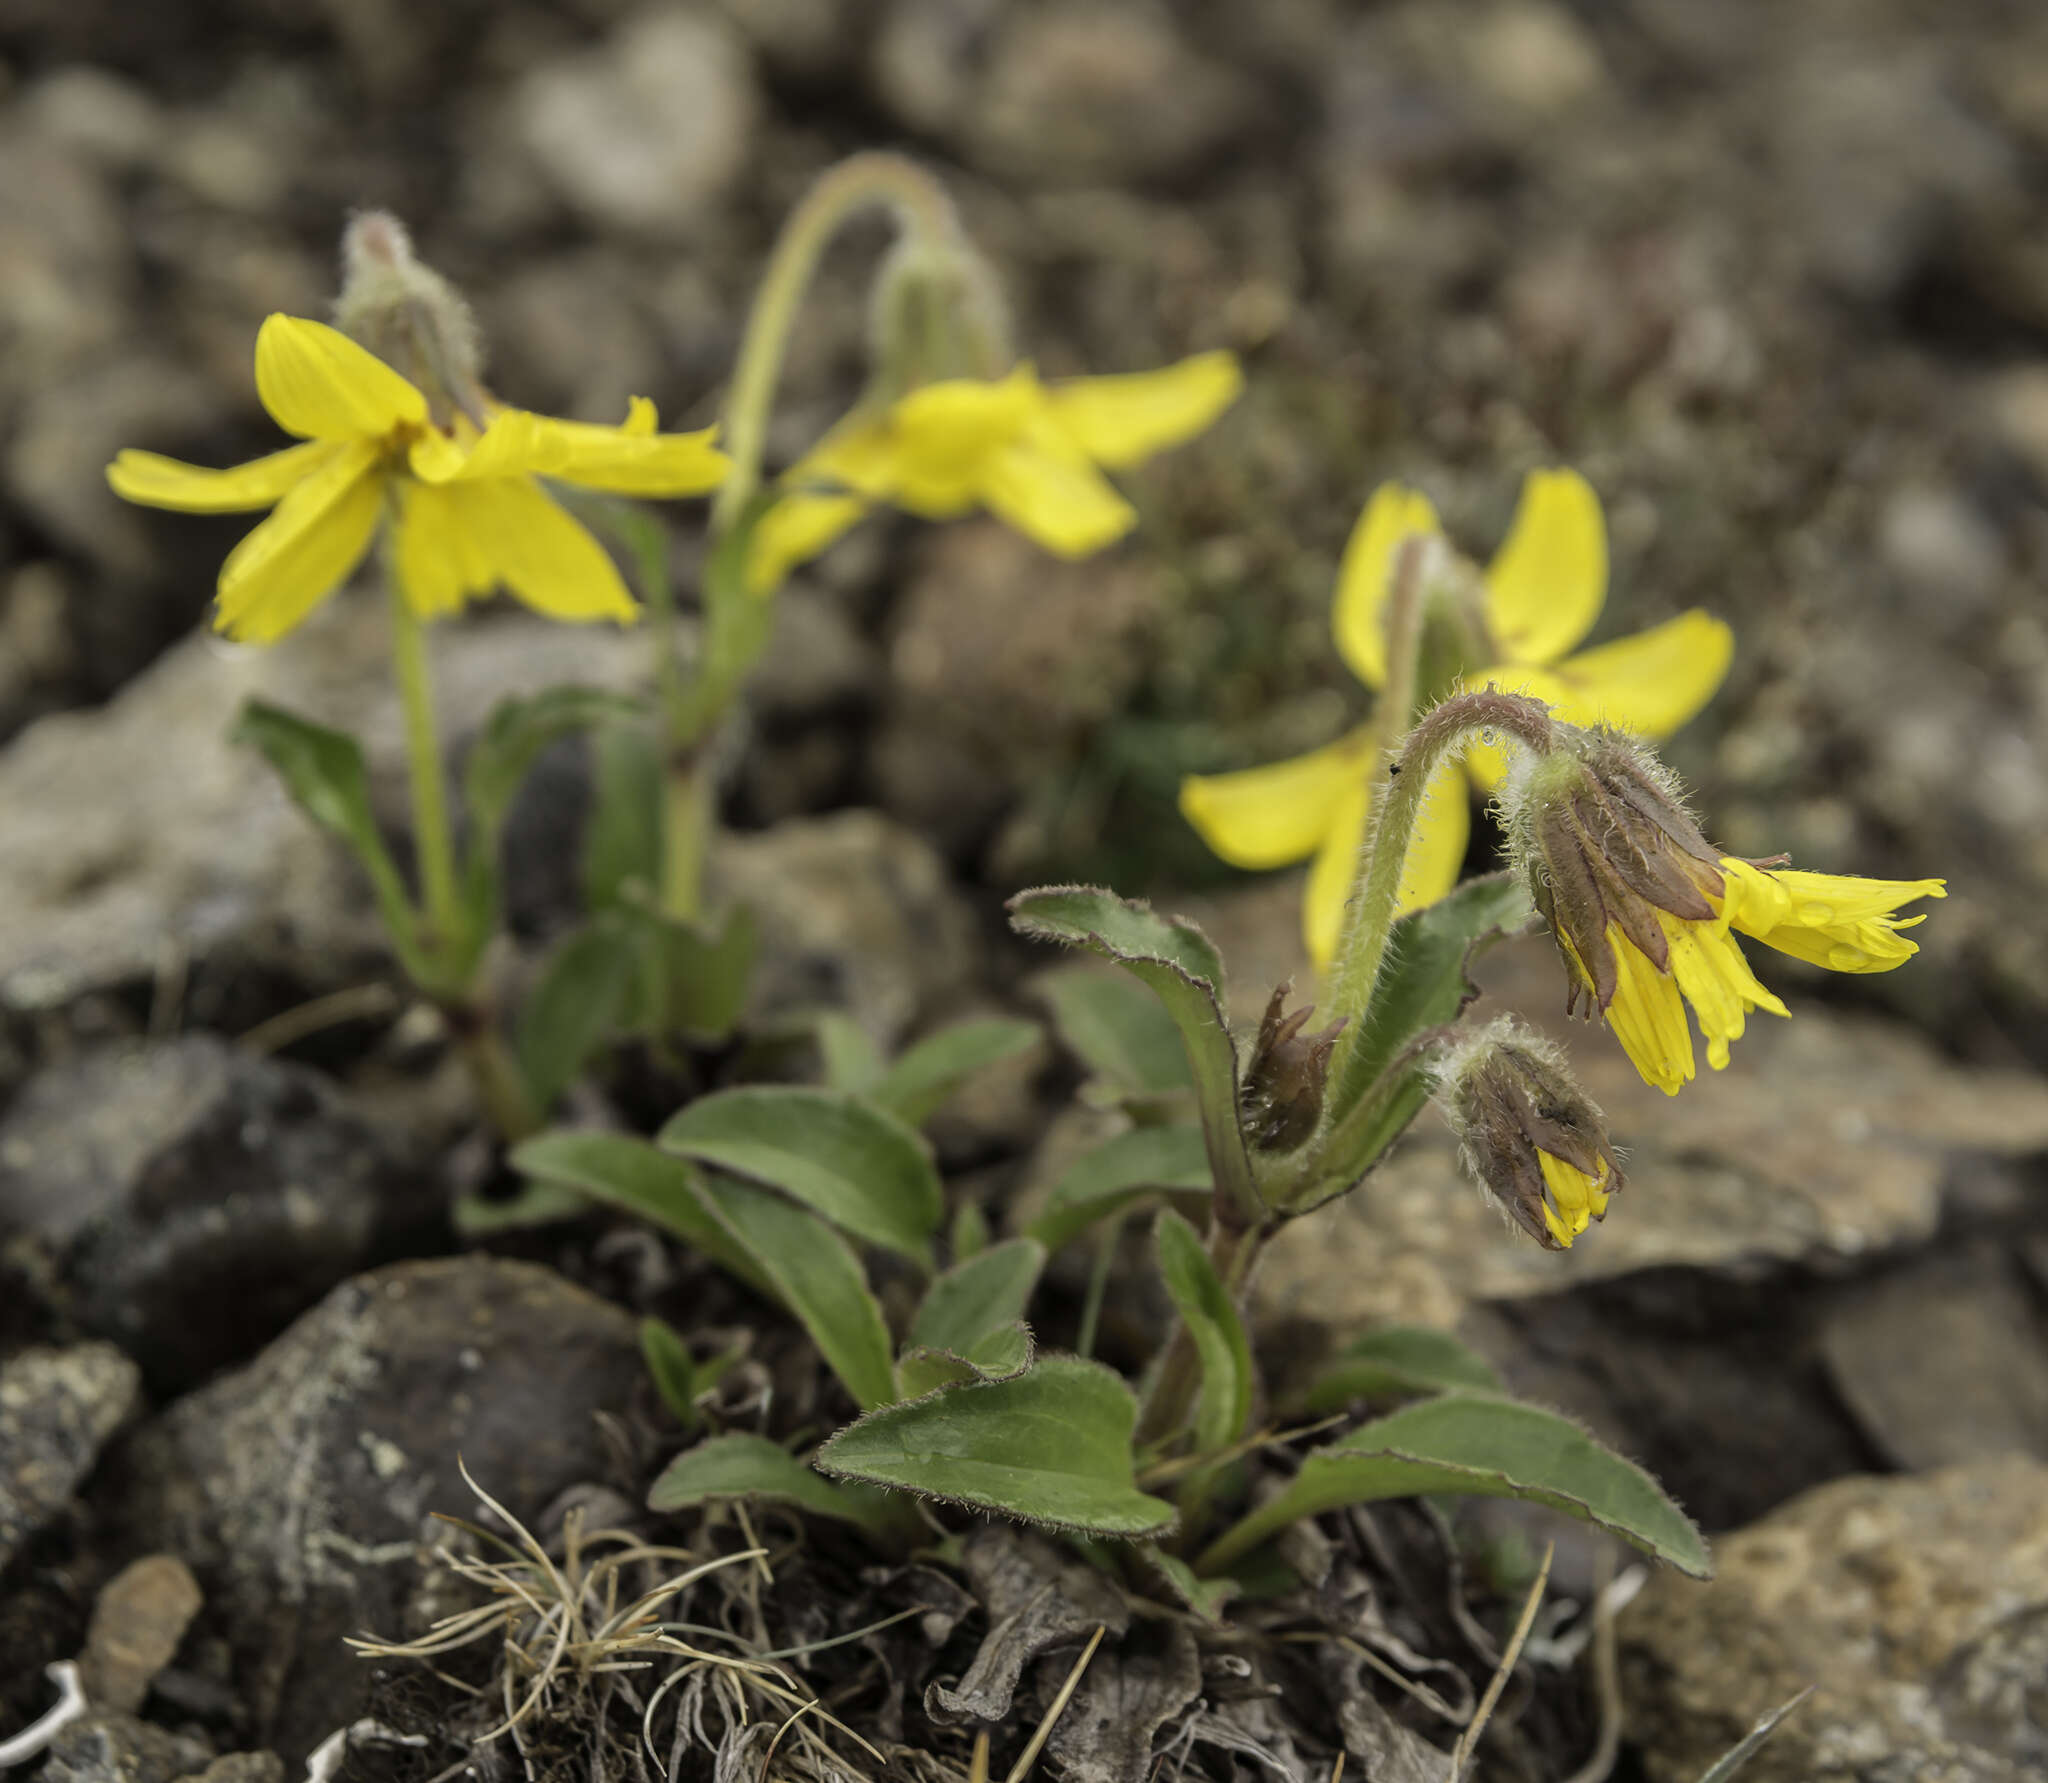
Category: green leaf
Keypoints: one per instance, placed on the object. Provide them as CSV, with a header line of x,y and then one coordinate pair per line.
x,y
970,1234
920,1082
1206,1597
622,841
1399,1362
1491,1448
738,1465
862,1169
514,736
1218,1333
477,1215
1117,1028
1175,958
979,1296
323,771
675,1372
575,1006
1422,986
818,1278
1052,1446
631,1174
1118,1174
993,1356
692,980
852,1061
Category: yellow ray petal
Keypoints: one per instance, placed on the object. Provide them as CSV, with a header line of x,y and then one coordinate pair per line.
x,y
795,530
630,460
858,453
1436,851
939,444
306,549
1055,498
463,539
1330,875
1547,581
1122,421
1276,815
1650,683
1647,1016
320,385
1394,513
159,482
1838,921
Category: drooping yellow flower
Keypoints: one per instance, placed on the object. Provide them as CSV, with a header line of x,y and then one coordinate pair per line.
x,y
1539,596
1031,453
1645,909
461,494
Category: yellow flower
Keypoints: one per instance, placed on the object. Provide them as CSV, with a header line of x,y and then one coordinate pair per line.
x,y
1031,453
467,513
1539,596
1645,909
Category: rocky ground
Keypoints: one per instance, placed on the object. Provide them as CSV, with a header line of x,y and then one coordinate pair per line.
x,y
1772,276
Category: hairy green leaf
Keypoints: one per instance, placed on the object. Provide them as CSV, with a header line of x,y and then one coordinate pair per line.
x,y
1120,1173
1398,1362
674,1370
861,1168
979,1296
852,1060
692,979
323,771
1176,959
1117,1028
1052,1445
1492,1448
1218,1333
738,1465
622,839
630,1173
514,736
993,1356
915,1087
575,1006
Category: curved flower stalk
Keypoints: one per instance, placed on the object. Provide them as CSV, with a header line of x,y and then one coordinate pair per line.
x,y
1645,909
1511,627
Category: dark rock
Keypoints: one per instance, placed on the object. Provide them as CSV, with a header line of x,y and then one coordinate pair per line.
x,y
1918,1606
199,1198
297,1486
242,1767
141,1616
57,1409
1944,1360
120,1749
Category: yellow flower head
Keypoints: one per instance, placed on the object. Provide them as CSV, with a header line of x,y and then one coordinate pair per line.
x,y
1031,453
454,473
1527,1133
1509,627
1643,905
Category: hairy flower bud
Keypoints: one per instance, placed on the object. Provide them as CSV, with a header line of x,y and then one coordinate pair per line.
x,y
1642,904
935,312
1282,1097
410,317
1526,1131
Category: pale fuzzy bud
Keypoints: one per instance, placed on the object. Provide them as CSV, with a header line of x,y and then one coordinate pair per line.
x,y
935,312
1532,1139
409,316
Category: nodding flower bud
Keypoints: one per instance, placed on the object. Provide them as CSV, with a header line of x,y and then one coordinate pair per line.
x,y
1282,1097
935,312
410,317
1642,904
1527,1132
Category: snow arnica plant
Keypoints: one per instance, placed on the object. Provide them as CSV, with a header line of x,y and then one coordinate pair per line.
x,y
1181,1487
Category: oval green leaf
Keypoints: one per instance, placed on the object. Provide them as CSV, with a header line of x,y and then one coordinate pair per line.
x,y
1217,1331
918,1084
981,1295
860,1168
1121,1172
1052,1446
1399,1362
1117,1028
739,1465
1486,1447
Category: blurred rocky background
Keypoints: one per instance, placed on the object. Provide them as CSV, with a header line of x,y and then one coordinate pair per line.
x,y
1775,277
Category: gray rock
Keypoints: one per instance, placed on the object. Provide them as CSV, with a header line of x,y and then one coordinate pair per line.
x,y
856,913
198,1198
140,1617
120,1749
297,1486
649,131
242,1767
57,1409
143,847
1943,1361
1917,1605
